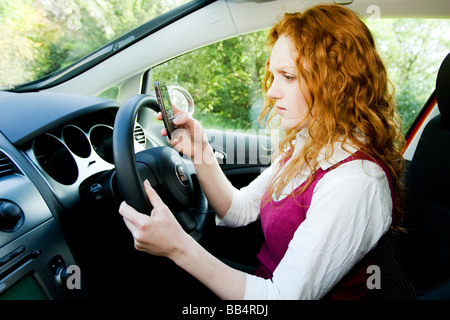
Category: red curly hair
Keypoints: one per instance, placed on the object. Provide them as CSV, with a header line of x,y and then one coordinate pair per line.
x,y
346,86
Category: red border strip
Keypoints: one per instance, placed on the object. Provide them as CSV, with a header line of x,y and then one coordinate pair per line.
x,y
418,124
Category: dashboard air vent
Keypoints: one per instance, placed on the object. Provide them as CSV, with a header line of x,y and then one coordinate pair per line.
x,y
139,135
6,166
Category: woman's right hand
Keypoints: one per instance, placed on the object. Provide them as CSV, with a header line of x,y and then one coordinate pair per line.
x,y
189,138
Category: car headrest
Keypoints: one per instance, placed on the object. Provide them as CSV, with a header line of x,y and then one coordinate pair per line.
x,y
443,91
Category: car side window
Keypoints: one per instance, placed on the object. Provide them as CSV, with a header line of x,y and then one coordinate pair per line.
x,y
224,78
412,50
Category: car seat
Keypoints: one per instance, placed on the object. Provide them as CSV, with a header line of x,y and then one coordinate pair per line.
x,y
416,264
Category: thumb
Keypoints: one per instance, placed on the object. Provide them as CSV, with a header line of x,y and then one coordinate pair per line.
x,y
176,109
154,198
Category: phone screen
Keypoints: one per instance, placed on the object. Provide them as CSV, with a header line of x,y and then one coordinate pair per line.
x,y
165,105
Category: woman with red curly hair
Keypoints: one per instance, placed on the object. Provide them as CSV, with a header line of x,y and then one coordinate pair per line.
x,y
333,188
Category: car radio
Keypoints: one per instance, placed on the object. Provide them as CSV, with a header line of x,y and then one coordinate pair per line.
x,y
34,255
34,270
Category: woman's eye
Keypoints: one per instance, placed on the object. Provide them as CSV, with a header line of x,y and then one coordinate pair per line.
x,y
288,77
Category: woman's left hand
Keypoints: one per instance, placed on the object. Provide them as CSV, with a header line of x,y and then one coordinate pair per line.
x,y
159,234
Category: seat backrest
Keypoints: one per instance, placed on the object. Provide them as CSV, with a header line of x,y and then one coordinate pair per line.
x,y
425,250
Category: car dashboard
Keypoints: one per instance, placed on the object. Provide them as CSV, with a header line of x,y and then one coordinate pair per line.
x,y
54,150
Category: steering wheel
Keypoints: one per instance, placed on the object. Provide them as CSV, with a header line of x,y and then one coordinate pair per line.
x,y
173,177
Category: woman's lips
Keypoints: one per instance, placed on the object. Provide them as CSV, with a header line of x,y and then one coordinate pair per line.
x,y
280,110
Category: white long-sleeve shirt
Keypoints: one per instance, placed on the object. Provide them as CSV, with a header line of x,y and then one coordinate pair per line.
x,y
351,208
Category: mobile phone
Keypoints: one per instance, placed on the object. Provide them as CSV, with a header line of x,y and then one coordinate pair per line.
x,y
165,105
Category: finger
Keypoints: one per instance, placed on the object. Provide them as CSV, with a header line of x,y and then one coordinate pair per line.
x,y
158,116
130,225
174,141
130,214
154,198
181,119
176,109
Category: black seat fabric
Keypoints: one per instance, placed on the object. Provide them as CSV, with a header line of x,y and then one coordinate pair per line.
x,y
416,264
428,195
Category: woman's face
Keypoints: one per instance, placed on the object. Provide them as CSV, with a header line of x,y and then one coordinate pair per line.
x,y
285,89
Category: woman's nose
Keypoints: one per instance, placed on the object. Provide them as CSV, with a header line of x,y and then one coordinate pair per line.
x,y
273,92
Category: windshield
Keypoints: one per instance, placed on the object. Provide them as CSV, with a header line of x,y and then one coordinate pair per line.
x,y
40,37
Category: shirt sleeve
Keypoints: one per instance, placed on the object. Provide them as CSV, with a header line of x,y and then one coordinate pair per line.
x,y
350,210
246,202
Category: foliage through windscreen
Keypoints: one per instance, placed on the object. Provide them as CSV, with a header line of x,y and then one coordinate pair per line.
x,y
39,37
